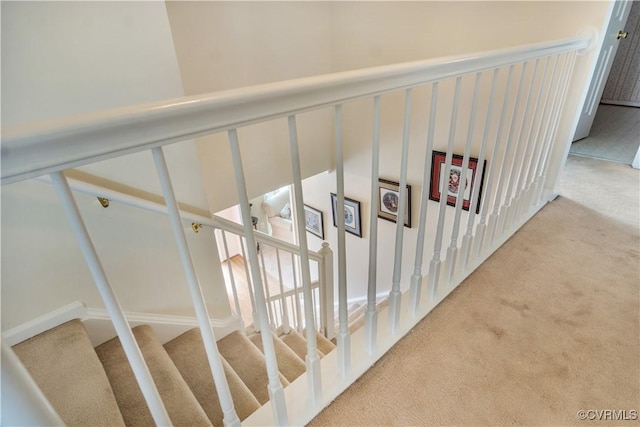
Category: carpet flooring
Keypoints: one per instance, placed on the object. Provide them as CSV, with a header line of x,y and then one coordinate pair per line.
x,y
546,327
615,135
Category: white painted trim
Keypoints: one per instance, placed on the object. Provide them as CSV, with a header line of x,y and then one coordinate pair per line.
x,y
75,310
100,327
636,161
33,150
216,222
166,327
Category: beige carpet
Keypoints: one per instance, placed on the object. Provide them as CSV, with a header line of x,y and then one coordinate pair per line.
x,y
181,405
188,354
614,136
249,363
548,326
63,363
290,365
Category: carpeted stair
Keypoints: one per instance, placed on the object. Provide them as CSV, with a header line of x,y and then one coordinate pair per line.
x,y
96,387
181,404
66,368
188,354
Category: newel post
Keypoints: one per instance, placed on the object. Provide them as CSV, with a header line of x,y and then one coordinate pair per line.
x,y
327,315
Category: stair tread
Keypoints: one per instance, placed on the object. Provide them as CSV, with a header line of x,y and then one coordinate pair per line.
x,y
324,345
66,368
298,344
181,405
249,363
188,354
289,363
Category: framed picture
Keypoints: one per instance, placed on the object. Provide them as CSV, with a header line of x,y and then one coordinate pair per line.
x,y
389,197
459,183
352,223
313,221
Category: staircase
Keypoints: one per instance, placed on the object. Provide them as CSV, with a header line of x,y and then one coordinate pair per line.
x,y
511,156
96,386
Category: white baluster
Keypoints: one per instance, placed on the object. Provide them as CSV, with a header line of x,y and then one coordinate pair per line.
x,y
312,359
452,250
371,315
232,279
549,130
276,392
129,344
494,174
416,278
286,326
23,402
267,292
344,338
528,155
318,308
465,249
517,156
395,296
499,214
202,314
299,319
326,282
434,268
539,137
567,83
252,297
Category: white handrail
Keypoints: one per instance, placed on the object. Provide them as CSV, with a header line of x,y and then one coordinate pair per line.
x,y
34,150
214,221
291,292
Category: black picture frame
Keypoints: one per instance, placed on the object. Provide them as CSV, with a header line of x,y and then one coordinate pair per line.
x,y
388,197
353,218
314,221
437,170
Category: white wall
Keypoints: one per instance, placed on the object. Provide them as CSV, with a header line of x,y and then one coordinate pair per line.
x,y
48,49
225,45
67,58
377,33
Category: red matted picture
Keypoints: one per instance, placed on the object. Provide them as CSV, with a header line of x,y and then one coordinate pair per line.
x,y
459,183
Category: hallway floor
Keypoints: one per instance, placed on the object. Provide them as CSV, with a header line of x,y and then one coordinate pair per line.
x,y
615,135
545,332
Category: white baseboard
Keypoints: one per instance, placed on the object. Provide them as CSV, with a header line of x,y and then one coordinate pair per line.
x,y
165,327
75,310
636,160
100,328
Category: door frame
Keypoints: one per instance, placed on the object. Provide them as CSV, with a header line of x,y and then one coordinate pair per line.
x,y
617,19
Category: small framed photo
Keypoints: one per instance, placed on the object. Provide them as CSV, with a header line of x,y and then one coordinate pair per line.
x,y
352,219
388,201
459,183
313,221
